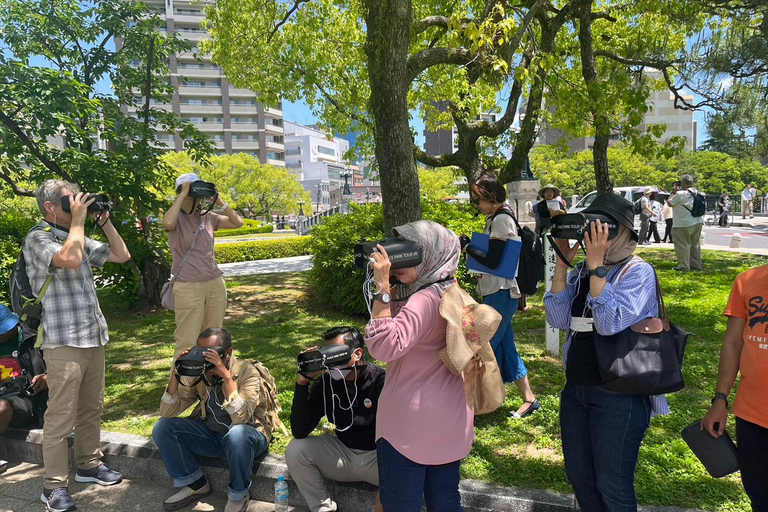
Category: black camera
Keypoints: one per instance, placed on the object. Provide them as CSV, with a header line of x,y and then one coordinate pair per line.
x,y
402,253
572,226
193,364
100,205
328,356
201,189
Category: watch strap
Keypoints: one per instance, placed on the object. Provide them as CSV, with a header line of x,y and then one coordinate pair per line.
x,y
721,396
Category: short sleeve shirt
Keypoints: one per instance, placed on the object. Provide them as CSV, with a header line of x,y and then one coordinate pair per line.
x,y
749,301
201,265
71,313
502,226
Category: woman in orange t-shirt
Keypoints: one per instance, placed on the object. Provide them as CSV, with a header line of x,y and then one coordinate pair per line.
x,y
745,351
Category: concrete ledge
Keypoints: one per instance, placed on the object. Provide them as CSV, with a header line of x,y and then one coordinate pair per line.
x,y
139,459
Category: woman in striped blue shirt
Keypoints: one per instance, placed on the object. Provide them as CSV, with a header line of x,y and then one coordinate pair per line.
x,y
608,292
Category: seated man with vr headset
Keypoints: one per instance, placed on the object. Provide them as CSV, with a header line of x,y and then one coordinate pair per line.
x,y
347,394
233,418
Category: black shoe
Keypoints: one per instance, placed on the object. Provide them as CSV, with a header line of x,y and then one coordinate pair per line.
x,y
58,500
101,475
535,406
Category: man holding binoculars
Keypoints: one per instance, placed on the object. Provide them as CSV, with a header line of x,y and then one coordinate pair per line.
x,y
347,394
73,331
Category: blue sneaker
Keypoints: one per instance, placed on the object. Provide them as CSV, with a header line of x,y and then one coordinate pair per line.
x,y
58,500
101,475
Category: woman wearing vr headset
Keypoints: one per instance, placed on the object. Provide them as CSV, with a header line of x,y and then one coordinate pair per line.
x,y
608,292
500,293
200,296
424,426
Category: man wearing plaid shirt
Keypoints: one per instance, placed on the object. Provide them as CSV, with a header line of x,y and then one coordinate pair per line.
x,y
73,334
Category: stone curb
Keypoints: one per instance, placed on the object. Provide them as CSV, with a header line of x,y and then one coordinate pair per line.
x,y
137,458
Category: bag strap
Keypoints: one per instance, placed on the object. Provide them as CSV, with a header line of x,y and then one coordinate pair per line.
x,y
189,251
47,282
659,294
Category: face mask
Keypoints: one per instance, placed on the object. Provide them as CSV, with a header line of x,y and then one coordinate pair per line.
x,y
339,373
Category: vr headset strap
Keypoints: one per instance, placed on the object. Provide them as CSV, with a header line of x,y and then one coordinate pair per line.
x,y
559,252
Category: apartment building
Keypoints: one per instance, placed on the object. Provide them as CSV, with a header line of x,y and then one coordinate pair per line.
x,y
232,117
443,142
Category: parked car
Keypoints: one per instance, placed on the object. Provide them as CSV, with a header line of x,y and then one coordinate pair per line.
x,y
631,194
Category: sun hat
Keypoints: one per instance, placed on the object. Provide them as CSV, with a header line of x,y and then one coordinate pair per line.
x,y
615,207
549,186
470,326
190,176
8,319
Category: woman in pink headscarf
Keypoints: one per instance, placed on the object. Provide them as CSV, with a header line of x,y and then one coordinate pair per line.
x,y
424,426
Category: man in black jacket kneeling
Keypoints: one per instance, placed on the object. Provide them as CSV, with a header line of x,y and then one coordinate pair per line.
x,y
348,397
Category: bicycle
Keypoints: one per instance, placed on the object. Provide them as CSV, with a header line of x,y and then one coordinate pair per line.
x,y
712,218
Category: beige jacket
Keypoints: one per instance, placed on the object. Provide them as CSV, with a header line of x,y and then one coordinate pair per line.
x,y
244,405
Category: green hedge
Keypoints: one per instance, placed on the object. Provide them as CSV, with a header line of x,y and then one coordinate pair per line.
x,y
250,223
335,278
262,249
245,231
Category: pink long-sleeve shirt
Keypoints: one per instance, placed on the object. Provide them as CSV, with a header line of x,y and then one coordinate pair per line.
x,y
422,409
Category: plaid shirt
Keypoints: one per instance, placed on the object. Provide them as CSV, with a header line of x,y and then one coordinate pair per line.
x,y
71,313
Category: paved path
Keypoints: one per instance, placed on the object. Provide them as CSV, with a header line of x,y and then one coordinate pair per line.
x,y
22,484
248,268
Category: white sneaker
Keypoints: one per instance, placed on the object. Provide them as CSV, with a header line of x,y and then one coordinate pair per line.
x,y
237,506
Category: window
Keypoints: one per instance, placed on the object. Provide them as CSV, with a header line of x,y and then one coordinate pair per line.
x,y
194,84
218,137
278,139
276,122
247,103
326,151
243,136
275,156
243,120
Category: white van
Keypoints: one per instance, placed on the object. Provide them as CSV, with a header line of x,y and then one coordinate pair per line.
x,y
625,192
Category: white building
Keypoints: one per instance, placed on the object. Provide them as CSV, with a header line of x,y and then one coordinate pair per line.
x,y
232,117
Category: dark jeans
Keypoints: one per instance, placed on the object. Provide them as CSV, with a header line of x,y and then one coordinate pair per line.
x,y
503,342
402,483
668,231
602,432
179,438
653,231
753,462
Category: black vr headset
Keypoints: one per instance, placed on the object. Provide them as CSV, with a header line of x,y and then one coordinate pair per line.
x,y
193,364
328,356
572,226
402,253
199,190
100,205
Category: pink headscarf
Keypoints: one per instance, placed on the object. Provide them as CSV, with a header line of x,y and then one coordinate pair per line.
x,y
441,251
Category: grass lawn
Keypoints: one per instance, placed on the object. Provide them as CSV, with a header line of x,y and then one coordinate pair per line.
x,y
273,317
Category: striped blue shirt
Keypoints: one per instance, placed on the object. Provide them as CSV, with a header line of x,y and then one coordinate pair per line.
x,y
622,303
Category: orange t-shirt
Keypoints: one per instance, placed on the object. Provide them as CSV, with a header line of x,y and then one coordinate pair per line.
x,y
749,300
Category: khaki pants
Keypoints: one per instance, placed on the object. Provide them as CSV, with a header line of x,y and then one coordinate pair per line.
x,y
198,306
312,458
75,401
687,243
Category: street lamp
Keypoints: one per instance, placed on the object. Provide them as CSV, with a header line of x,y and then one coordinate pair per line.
x,y
346,193
319,192
367,195
300,219
301,207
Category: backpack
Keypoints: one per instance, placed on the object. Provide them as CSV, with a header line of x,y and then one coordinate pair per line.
x,y
699,207
637,207
530,269
24,303
268,392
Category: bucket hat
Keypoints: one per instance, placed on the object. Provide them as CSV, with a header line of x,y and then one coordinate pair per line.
x,y
615,207
8,319
551,187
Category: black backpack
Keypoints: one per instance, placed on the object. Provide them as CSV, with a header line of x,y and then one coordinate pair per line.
x,y
699,207
637,206
530,269
24,303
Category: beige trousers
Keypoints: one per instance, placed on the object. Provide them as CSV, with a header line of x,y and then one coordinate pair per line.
x,y
687,242
75,401
198,306
312,458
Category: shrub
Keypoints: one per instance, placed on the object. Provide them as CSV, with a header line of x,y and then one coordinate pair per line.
x,y
14,225
262,249
245,230
335,278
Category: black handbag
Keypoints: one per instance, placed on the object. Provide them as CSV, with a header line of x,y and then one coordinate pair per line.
x,y
646,358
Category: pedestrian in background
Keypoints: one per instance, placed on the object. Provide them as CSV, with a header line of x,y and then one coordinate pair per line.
x,y
653,228
747,202
723,205
668,213
645,215
686,228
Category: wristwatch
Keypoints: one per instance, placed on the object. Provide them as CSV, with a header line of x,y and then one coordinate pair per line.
x,y
599,272
383,297
721,396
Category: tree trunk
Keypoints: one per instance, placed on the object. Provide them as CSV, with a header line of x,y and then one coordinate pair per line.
x,y
388,37
600,120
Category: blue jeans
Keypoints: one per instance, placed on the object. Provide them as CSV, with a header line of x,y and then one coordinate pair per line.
x,y
179,438
402,483
503,342
602,432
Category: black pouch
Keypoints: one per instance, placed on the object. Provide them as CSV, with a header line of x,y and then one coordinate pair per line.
x,y
717,454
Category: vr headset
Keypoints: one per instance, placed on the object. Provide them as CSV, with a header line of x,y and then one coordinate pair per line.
x,y
100,205
572,226
328,356
200,190
194,365
402,253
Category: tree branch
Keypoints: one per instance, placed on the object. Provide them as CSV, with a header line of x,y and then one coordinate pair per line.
x,y
435,160
425,59
429,22
33,148
16,189
285,19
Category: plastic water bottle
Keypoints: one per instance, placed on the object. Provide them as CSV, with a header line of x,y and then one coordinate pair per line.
x,y
281,495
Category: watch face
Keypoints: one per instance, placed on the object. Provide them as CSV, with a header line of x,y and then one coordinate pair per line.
x,y
599,272
385,298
